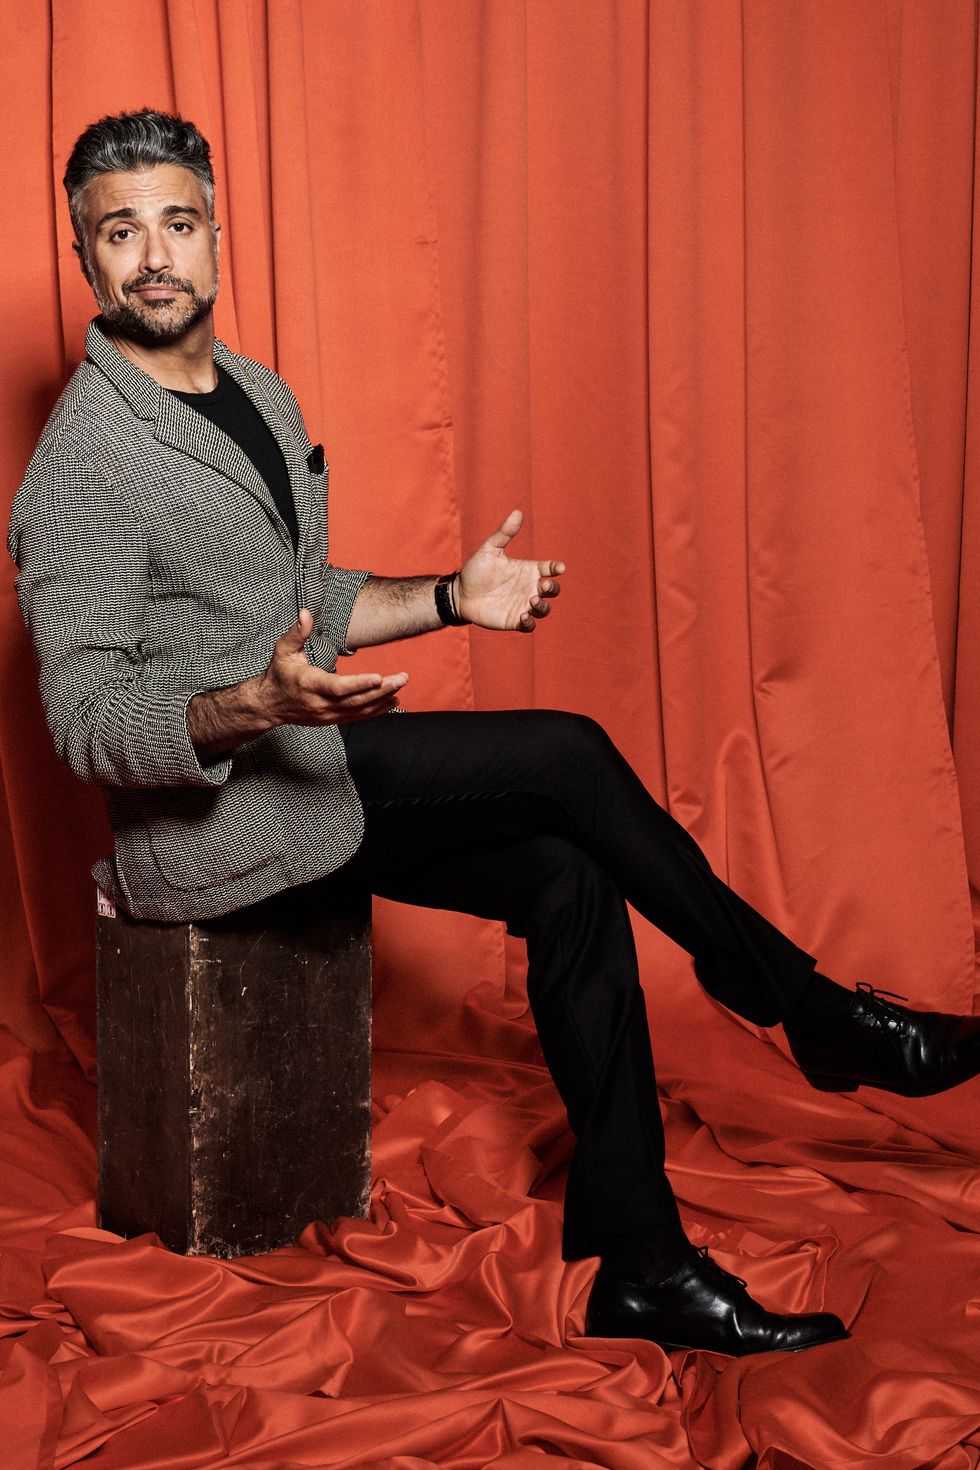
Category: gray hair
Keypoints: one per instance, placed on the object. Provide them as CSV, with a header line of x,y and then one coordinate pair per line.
x,y
132,141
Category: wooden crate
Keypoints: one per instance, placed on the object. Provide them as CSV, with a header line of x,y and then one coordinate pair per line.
x,y
235,1071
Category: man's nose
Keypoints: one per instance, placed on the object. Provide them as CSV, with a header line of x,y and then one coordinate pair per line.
x,y
156,251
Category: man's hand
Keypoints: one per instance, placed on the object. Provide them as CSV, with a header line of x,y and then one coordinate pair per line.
x,y
494,590
291,691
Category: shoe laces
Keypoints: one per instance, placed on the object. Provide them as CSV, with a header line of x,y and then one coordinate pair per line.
x,y
892,1014
702,1251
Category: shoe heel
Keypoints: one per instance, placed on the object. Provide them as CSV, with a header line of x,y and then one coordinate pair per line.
x,y
832,1084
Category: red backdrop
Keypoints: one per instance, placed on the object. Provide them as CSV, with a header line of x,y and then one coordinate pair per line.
x,y
691,282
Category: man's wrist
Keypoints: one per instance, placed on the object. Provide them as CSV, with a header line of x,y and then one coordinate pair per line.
x,y
220,720
258,703
447,605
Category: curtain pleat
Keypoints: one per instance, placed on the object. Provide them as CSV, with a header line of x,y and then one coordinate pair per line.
x,y
966,708
691,282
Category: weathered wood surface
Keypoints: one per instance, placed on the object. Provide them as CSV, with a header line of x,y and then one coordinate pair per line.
x,y
235,1072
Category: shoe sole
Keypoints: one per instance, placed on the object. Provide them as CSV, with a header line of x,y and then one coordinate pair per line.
x,y
824,1083
681,1347
689,1347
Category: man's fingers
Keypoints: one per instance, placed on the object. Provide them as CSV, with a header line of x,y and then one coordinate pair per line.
x,y
385,693
354,712
373,702
293,639
506,532
342,686
359,689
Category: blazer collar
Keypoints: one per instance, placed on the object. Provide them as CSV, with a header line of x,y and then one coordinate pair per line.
x,y
141,392
180,427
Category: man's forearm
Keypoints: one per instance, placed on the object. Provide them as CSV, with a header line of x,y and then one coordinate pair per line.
x,y
219,720
291,691
491,590
388,608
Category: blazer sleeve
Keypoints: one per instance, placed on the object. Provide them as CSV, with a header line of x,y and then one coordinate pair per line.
x,y
340,589
82,588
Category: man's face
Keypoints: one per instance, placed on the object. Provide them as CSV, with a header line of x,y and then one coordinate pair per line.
x,y
149,252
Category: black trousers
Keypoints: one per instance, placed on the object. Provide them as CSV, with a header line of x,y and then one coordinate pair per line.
x,y
534,817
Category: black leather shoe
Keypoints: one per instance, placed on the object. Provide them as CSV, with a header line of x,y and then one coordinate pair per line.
x,y
701,1306
877,1044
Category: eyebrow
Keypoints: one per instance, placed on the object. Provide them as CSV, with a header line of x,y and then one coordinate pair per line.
x,y
168,209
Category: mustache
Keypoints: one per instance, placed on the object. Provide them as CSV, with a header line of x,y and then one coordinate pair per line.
x,y
156,280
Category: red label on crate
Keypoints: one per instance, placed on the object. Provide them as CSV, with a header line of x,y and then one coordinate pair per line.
x,y
104,906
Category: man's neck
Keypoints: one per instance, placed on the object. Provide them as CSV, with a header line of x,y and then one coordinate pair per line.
x,y
187,364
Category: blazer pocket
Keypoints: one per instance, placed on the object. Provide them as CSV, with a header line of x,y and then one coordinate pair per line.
x,y
201,841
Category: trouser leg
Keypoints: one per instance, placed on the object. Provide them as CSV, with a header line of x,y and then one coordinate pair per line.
x,y
541,770
583,989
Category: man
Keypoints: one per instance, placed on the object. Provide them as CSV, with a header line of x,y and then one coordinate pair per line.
x,y
172,542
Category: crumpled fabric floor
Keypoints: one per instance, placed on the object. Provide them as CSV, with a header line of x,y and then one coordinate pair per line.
x,y
446,1331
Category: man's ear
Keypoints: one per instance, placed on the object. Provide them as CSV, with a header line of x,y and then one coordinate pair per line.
x,y
217,237
81,260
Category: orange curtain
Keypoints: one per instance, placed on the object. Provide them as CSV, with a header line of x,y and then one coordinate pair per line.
x,y
691,282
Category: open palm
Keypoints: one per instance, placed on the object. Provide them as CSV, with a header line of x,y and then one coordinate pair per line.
x,y
499,591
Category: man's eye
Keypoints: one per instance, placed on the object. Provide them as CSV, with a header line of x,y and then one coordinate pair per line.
x,y
181,224
120,234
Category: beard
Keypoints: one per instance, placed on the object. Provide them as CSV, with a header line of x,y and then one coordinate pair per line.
x,y
154,323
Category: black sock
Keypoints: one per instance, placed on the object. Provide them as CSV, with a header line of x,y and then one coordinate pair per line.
x,y
821,1006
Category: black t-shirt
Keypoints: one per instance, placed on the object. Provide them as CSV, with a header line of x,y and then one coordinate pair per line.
x,y
233,411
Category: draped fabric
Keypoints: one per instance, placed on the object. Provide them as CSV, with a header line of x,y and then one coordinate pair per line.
x,y
691,282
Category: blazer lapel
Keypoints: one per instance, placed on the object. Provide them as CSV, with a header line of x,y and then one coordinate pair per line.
x,y
292,453
181,428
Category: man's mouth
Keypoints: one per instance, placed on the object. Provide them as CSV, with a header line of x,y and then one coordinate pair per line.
x,y
163,289
155,293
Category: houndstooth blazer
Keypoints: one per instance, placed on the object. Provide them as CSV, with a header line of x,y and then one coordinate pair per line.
x,y
154,564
